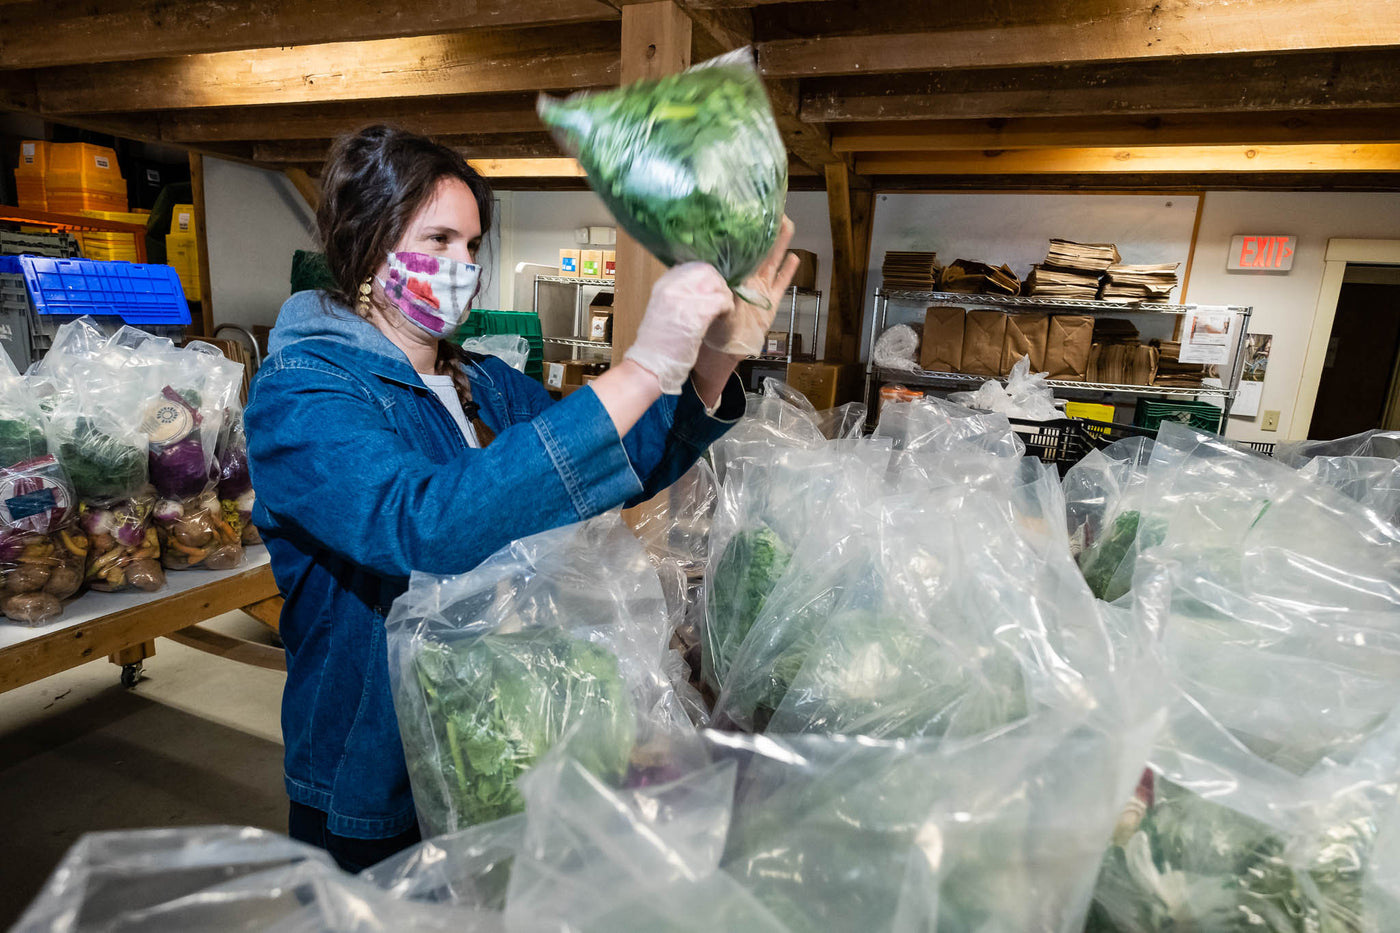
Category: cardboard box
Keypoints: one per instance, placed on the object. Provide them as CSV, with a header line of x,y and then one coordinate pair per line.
x,y
984,335
591,263
826,385
806,275
565,373
777,342
941,348
600,324
568,261
1068,340
1025,336
609,264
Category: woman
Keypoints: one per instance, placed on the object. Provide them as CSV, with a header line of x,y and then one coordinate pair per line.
x,y
378,448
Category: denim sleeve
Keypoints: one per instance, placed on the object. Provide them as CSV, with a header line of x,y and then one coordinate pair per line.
x,y
669,438
325,461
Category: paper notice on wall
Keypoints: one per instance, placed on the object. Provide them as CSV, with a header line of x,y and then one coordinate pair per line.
x,y
1247,400
1207,336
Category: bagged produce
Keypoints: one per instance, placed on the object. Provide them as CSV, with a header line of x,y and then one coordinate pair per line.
x,y
235,488
1364,467
184,423
691,164
41,554
1103,494
98,388
563,633
1273,799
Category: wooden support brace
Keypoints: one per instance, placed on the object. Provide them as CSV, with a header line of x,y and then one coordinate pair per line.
x,y
849,202
656,41
309,188
133,655
205,324
227,646
267,611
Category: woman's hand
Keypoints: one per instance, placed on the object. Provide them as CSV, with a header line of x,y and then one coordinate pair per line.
x,y
684,304
743,331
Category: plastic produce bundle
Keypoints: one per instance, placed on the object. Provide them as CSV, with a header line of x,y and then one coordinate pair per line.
x,y
1364,467
561,633
41,554
1272,805
1104,496
236,496
97,390
692,164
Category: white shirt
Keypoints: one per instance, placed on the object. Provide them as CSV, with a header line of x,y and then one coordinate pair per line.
x,y
445,390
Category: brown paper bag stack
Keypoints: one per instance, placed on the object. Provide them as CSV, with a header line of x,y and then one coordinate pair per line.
x,y
984,339
942,348
1067,343
1026,335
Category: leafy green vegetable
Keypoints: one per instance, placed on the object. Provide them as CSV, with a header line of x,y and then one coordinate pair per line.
x,y
1197,865
19,441
692,165
102,466
1107,564
498,702
751,565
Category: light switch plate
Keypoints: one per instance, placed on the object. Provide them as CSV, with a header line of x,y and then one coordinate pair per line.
x,y
1270,421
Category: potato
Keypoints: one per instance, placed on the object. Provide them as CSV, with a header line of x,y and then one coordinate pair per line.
x,y
145,575
26,578
32,608
251,535
194,530
224,558
63,581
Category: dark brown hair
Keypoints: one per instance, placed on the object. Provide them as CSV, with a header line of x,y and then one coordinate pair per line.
x,y
375,180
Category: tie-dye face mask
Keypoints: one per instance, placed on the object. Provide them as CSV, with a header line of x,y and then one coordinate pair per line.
x,y
433,292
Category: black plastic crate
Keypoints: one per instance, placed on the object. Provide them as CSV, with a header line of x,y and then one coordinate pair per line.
x,y
56,245
1064,442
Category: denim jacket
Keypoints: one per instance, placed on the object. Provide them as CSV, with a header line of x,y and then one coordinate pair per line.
x,y
362,477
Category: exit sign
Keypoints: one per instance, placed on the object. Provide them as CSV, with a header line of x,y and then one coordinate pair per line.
x,y
1250,253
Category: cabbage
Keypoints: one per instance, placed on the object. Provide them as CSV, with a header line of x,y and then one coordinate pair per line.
x,y
180,470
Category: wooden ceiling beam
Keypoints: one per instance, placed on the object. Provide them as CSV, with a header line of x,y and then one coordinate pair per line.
x,y
480,61
1204,160
529,168
508,146
1087,31
1340,126
1136,183
446,116
1304,81
44,33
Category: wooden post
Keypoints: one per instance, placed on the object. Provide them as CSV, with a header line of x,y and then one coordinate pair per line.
x,y
849,204
655,42
201,232
309,188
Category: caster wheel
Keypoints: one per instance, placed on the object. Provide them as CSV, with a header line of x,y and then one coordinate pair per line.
x,y
131,673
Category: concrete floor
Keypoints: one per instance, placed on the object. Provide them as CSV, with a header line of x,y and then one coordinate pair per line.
x,y
196,742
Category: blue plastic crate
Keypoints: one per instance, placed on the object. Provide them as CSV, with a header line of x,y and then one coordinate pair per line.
x,y
140,294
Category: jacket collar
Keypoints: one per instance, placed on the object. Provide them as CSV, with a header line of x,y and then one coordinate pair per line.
x,y
314,315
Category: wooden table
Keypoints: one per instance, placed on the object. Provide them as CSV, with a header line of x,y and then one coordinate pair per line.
x,y
124,626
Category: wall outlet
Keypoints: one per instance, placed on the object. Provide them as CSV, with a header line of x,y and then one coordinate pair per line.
x,y
1270,421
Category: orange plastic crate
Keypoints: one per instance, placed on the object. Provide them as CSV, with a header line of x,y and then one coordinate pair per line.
x,y
30,174
84,177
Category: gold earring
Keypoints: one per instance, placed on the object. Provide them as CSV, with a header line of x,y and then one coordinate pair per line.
x,y
362,306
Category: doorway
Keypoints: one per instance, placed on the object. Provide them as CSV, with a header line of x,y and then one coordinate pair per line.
x,y
1359,385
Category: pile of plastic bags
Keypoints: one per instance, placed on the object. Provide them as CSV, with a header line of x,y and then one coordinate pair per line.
x,y
123,457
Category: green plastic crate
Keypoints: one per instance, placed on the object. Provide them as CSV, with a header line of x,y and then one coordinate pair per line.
x,y
524,323
1202,416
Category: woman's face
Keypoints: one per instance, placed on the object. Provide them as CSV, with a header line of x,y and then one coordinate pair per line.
x,y
448,224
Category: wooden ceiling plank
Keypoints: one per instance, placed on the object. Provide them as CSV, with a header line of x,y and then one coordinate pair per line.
x,y
446,116
528,168
1223,83
1088,32
1322,157
1087,132
1136,183
44,33
484,61
520,146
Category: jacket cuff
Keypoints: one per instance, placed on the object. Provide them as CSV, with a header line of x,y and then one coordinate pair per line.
x,y
580,439
695,426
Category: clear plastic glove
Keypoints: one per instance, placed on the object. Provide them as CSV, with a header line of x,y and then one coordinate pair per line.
x,y
743,331
684,303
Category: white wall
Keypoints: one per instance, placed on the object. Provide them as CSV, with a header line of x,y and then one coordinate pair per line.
x,y
1284,305
256,221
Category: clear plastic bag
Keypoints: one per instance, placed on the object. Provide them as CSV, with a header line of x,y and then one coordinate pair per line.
x,y
1025,395
691,164
1277,600
235,488
511,349
563,632
1103,495
217,878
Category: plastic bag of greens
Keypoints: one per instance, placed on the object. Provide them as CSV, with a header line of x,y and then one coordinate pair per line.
x,y
99,388
1277,600
41,555
692,164
235,488
225,878
560,633
184,424
1103,494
